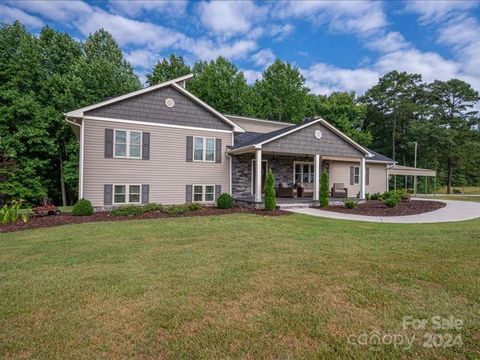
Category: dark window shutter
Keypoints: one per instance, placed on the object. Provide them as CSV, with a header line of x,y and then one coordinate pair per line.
x,y
218,150
189,148
145,193
146,146
352,175
218,191
367,176
188,193
107,194
109,143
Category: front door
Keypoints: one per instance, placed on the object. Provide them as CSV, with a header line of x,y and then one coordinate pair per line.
x,y
264,174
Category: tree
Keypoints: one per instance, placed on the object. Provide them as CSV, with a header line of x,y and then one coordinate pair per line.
x,y
453,122
343,111
270,200
168,69
222,86
392,105
281,94
324,190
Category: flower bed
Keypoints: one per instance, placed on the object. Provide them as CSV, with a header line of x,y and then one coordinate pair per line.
x,y
57,220
378,208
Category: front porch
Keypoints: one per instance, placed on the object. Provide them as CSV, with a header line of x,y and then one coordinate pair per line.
x,y
284,203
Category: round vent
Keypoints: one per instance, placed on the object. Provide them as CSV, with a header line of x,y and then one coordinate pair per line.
x,y
169,102
318,134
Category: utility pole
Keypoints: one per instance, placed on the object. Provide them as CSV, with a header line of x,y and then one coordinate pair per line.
x,y
415,165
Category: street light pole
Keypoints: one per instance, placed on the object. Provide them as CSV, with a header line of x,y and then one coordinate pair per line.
x,y
415,165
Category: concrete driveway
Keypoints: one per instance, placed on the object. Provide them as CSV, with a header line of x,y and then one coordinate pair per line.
x,y
453,211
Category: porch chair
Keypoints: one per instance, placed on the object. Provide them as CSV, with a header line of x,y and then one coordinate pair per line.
x,y
339,190
283,190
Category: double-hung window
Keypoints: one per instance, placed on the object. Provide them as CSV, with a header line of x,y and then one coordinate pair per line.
x,y
356,175
126,194
304,172
203,149
203,193
128,144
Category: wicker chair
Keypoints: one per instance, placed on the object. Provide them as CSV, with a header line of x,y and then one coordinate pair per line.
x,y
283,190
339,190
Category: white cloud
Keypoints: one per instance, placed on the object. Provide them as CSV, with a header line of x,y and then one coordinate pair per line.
x,y
10,15
63,11
208,50
280,32
359,17
389,42
228,18
140,7
434,10
142,58
263,58
252,75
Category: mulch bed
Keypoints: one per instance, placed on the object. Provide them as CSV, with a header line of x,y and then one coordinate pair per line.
x,y
378,208
57,220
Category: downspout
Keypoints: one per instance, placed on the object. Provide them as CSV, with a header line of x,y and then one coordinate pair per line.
x,y
80,165
230,158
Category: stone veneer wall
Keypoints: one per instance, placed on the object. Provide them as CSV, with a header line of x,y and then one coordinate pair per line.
x,y
282,168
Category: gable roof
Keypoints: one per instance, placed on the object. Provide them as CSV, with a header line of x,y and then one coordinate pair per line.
x,y
379,157
252,140
79,113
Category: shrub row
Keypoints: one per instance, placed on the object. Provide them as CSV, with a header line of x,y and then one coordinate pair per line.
x,y
133,210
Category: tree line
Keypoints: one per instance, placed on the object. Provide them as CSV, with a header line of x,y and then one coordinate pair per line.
x,y
43,76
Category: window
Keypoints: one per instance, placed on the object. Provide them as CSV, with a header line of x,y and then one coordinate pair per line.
x,y
304,172
128,144
203,149
126,194
203,193
356,175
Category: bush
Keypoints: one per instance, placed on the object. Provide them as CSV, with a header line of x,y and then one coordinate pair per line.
x,y
350,204
128,210
10,213
376,196
391,201
367,196
194,206
176,209
270,200
151,207
225,201
324,190
82,207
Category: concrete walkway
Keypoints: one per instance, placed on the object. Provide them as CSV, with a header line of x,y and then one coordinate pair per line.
x,y
454,211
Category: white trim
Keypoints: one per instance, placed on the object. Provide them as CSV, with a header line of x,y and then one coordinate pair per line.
x,y
317,164
81,160
127,194
252,179
204,149
184,91
145,123
259,120
203,193
379,161
318,120
81,111
127,150
303,163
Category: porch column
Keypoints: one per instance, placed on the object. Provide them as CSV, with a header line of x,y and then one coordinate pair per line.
x,y
316,177
258,175
362,178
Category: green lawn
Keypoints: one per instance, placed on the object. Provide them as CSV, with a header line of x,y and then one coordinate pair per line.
x,y
457,197
237,286
471,190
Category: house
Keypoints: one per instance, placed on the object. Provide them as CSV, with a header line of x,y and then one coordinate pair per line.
x,y
163,144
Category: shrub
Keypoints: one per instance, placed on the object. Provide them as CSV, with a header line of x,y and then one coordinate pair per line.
x,y
128,210
350,204
176,209
194,206
151,207
270,200
10,213
391,201
82,207
225,201
376,196
367,196
324,190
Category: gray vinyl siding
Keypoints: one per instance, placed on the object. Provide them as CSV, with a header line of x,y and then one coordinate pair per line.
x,y
303,141
150,107
166,172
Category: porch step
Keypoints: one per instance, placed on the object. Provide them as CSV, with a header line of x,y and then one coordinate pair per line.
x,y
294,205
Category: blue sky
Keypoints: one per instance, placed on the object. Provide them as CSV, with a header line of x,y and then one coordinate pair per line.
x,y
338,45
